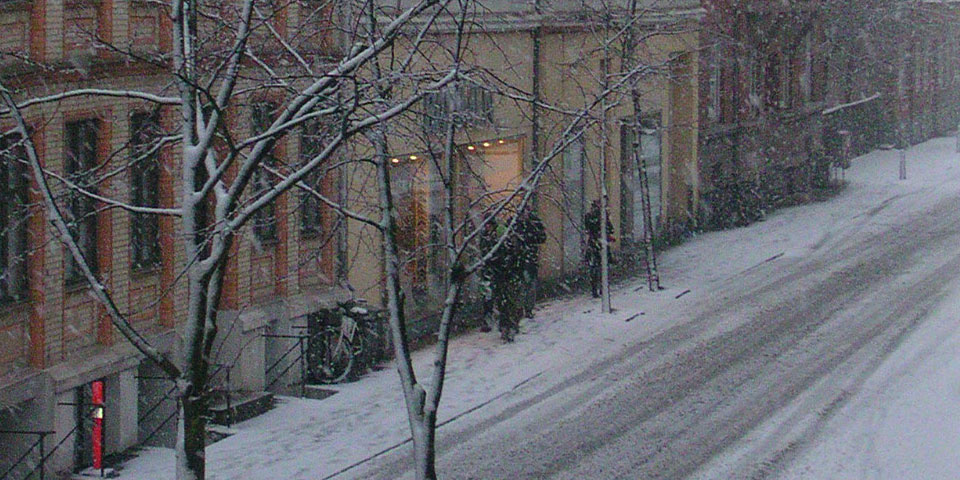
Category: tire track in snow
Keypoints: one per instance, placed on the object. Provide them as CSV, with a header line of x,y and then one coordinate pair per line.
x,y
664,407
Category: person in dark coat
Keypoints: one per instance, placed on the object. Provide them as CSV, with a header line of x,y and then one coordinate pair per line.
x,y
488,238
507,282
504,275
531,234
591,223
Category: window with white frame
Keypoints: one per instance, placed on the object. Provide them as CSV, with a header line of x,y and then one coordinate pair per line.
x,y
265,219
785,100
145,138
713,85
806,77
777,70
312,210
754,76
81,147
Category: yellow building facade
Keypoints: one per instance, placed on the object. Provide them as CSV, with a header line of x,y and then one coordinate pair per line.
x,y
533,91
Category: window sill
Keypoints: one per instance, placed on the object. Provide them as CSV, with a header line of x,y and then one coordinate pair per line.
x,y
265,246
145,270
75,286
312,234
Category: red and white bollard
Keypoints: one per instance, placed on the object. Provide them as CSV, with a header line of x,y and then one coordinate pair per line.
x,y
97,433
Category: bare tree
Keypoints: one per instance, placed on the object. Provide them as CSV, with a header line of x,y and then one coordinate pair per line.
x,y
460,233
227,60
463,214
222,61
618,39
883,52
632,38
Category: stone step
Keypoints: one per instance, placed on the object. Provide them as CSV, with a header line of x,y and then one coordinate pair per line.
x,y
239,406
91,472
318,392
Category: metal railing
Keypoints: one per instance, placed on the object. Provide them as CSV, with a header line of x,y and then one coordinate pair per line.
x,y
153,408
22,460
80,423
867,123
298,358
225,391
40,444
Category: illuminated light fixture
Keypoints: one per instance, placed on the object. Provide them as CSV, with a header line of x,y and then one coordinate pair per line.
x,y
471,148
395,160
486,144
413,157
501,141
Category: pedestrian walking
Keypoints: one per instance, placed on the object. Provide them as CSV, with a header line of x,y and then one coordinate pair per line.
x,y
531,235
591,223
488,238
503,276
507,282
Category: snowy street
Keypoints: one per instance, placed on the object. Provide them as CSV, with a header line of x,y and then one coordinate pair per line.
x,y
819,343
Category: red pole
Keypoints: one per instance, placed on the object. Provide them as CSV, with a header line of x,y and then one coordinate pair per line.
x,y
97,434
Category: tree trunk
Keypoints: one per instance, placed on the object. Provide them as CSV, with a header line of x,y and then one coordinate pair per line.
x,y
604,199
424,446
604,249
191,437
421,421
649,255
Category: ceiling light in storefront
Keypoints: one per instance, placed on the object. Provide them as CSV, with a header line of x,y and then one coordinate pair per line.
x,y
501,141
486,144
395,160
413,157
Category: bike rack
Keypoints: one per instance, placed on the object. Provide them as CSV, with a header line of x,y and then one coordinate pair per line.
x,y
296,354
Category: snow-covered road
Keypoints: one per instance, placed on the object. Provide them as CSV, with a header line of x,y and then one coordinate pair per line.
x,y
821,343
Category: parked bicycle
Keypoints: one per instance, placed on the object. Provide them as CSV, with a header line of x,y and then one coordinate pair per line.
x,y
343,342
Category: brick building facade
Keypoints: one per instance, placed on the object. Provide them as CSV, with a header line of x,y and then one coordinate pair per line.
x,y
763,82
55,337
296,256
784,83
745,108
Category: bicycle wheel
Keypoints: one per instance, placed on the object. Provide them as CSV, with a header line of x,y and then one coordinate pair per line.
x,y
336,358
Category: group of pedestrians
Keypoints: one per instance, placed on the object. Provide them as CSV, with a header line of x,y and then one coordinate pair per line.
x,y
509,275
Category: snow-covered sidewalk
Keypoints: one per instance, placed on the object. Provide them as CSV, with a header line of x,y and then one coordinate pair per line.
x,y
911,399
